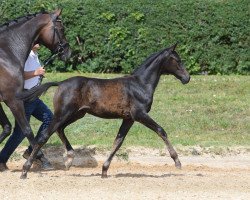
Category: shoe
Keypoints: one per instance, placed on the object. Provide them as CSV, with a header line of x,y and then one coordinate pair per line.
x,y
3,167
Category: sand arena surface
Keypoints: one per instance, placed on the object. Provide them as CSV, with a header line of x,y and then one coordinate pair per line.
x,y
146,174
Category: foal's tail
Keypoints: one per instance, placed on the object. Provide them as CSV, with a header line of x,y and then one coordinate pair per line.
x,y
33,93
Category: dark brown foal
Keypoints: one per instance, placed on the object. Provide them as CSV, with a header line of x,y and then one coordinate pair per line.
x,y
129,98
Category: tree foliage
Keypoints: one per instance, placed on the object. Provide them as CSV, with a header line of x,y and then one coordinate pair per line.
x,y
117,35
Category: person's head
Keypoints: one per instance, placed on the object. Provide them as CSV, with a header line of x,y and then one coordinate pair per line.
x,y
35,47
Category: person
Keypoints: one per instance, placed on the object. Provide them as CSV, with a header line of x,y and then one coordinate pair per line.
x,y
37,108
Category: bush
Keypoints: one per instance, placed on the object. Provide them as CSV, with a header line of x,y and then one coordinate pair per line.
x,y
116,36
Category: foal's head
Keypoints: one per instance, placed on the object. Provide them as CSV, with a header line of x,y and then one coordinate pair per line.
x,y
173,65
52,36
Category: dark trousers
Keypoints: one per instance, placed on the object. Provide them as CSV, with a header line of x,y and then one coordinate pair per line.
x,y
35,108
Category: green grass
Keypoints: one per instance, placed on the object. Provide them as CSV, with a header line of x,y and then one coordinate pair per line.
x,y
209,111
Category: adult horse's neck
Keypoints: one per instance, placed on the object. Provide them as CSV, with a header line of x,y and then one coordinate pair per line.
x,y
21,37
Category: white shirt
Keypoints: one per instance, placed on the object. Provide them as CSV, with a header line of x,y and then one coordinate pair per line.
x,y
31,64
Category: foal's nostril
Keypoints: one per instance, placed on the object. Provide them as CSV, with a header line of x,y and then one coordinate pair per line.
x,y
185,80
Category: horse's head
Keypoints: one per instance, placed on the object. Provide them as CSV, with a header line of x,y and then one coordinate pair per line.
x,y
52,36
172,64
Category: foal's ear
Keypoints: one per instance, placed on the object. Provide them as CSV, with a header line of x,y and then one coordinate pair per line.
x,y
56,14
172,48
166,53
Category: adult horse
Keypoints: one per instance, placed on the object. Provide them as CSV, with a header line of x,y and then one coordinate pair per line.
x,y
17,37
129,98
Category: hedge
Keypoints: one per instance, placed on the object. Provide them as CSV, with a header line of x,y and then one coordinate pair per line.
x,y
117,36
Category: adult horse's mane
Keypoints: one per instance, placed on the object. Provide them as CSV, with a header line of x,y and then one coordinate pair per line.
x,y
21,19
147,62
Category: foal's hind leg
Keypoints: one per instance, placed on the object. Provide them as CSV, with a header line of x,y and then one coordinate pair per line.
x,y
5,123
146,120
58,120
126,125
60,132
69,148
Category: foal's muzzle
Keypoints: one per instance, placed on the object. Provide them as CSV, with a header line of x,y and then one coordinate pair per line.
x,y
185,80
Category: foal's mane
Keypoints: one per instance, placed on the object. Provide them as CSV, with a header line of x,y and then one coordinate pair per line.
x,y
147,62
21,19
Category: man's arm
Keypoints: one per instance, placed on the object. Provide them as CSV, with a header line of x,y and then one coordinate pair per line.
x,y
30,74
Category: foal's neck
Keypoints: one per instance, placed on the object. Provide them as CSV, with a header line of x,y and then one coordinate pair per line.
x,y
151,75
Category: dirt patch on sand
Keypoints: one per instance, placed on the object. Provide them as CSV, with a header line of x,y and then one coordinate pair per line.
x,y
133,174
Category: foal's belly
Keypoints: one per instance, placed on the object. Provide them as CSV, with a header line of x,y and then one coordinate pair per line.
x,y
108,101
109,109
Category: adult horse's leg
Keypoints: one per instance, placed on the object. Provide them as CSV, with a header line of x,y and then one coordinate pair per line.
x,y
17,109
126,125
61,134
146,120
5,123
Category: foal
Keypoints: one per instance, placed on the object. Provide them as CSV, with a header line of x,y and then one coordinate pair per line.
x,y
129,98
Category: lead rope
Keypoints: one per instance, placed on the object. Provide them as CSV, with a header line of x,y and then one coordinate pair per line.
x,y
46,62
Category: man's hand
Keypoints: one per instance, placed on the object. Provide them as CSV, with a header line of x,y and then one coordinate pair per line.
x,y
39,71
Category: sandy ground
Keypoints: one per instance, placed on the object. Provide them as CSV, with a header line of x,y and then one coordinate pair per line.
x,y
146,174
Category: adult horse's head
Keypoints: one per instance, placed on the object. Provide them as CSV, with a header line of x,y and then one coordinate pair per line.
x,y
52,36
173,65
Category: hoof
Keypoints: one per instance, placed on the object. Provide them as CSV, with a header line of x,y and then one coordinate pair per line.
x,y
23,176
67,167
3,167
178,165
70,157
68,163
104,175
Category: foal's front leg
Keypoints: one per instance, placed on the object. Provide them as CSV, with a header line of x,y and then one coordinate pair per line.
x,y
146,120
126,125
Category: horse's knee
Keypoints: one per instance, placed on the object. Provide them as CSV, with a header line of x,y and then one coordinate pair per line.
x,y
27,131
162,132
6,132
42,138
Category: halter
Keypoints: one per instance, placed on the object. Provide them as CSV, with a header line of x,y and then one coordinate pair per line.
x,y
61,45
54,54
